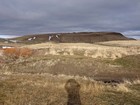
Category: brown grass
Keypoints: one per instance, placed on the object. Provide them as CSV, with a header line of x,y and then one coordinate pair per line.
x,y
15,53
41,79
46,89
98,50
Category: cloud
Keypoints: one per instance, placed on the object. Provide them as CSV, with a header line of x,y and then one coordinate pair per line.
x,y
132,34
129,33
42,16
8,36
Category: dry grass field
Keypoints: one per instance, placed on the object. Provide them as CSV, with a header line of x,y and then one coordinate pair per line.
x,y
110,49
107,73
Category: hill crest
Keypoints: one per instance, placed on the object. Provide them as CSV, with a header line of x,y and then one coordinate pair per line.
x,y
79,37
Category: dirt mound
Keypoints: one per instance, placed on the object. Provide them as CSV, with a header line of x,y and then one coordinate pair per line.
x,y
80,37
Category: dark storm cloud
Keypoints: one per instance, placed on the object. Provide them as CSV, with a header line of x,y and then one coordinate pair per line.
x,y
41,16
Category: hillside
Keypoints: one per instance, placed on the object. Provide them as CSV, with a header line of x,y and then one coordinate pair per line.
x,y
2,40
81,37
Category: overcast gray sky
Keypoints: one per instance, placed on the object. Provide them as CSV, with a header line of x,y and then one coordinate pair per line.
x,y
20,17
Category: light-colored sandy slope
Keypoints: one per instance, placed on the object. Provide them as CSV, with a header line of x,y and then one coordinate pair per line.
x,y
111,49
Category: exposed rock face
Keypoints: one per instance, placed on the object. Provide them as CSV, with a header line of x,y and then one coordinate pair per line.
x,y
81,37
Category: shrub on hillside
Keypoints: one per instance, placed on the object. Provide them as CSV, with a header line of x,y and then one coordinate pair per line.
x,y
15,53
